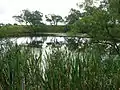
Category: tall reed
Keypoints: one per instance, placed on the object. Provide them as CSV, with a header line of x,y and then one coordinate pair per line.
x,y
89,68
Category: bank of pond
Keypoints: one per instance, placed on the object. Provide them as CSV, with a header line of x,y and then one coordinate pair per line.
x,y
27,30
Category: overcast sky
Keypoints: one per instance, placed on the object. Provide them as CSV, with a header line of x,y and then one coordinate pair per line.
x,y
8,8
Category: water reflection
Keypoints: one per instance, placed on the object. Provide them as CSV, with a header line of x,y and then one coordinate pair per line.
x,y
70,43
36,40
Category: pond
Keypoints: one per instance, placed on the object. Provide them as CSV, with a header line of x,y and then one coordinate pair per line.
x,y
44,44
44,41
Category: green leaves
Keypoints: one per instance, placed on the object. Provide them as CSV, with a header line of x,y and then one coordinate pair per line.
x,y
92,67
30,18
54,19
73,16
97,22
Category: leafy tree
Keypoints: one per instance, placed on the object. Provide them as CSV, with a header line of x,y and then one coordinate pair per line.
x,y
76,14
53,19
73,16
99,21
36,17
101,24
28,17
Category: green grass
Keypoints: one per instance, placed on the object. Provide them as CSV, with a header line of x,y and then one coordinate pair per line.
x,y
90,68
20,30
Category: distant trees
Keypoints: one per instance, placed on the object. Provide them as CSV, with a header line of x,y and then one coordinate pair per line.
x,y
35,18
53,19
1,24
15,24
28,17
8,24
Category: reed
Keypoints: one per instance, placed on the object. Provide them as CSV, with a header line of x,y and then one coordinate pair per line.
x,y
91,68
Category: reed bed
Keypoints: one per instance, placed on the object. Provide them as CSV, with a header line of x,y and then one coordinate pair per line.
x,y
89,68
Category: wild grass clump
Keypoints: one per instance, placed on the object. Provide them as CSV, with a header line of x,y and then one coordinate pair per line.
x,y
91,68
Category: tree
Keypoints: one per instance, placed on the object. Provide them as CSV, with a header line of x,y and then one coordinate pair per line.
x,y
102,21
101,24
29,18
76,14
26,16
53,19
73,16
36,17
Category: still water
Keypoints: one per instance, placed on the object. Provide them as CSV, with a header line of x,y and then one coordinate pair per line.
x,y
46,43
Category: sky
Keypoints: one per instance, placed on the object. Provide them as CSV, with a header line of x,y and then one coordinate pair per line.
x,y
9,8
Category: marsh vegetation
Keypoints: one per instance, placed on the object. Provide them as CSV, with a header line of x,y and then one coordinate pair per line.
x,y
86,65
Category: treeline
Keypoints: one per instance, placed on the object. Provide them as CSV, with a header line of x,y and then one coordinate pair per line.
x,y
32,22
28,17
101,20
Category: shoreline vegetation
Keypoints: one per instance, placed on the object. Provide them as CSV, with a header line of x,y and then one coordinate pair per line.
x,y
8,31
24,30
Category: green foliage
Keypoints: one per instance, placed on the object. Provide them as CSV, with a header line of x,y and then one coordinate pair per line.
x,y
93,67
23,30
30,18
15,30
53,19
73,16
100,22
